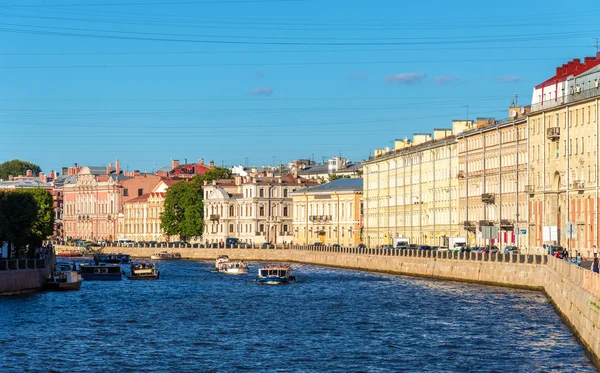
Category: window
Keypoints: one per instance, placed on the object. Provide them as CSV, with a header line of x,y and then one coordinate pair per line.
x,y
261,210
262,228
140,192
126,192
285,228
285,211
231,211
261,192
285,193
230,228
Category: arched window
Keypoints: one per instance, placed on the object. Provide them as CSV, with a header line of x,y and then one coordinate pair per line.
x,y
285,211
231,210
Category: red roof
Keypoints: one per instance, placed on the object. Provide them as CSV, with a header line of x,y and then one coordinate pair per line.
x,y
190,169
170,182
574,68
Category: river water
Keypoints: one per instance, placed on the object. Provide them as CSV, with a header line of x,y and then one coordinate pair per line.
x,y
331,320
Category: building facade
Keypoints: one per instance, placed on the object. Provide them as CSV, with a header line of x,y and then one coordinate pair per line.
x,y
564,157
412,191
329,214
493,185
253,209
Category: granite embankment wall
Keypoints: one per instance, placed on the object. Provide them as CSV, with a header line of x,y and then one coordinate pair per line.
x,y
574,291
19,276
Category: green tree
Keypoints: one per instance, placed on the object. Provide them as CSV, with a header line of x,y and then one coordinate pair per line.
x,y
17,167
335,177
215,173
183,211
43,226
18,214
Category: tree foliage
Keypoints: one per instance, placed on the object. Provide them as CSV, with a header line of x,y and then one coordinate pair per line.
x,y
18,214
17,167
44,223
335,177
183,213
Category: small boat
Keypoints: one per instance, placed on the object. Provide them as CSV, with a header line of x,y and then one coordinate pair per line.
x,y
69,254
112,258
64,277
275,275
100,271
143,271
163,255
220,262
234,268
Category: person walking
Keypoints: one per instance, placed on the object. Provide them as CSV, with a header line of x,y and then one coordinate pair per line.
x,y
595,266
578,259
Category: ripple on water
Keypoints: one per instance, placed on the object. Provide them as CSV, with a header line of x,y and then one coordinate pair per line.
x,y
331,320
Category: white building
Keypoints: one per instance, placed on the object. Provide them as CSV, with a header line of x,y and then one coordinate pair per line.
x,y
252,209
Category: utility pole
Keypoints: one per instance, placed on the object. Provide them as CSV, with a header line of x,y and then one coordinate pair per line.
x,y
596,45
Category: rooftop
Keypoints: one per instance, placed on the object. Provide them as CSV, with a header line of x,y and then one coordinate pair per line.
x,y
339,185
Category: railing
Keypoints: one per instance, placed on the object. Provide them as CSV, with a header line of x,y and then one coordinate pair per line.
x,y
20,264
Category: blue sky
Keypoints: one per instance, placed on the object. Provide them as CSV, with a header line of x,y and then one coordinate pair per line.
x,y
145,81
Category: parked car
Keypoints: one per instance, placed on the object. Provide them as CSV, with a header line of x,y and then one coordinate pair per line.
x,y
267,245
336,245
424,247
491,249
362,246
442,248
511,250
387,247
317,244
413,246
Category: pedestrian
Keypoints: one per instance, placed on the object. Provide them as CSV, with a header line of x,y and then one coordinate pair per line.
x,y
565,254
595,251
578,259
595,266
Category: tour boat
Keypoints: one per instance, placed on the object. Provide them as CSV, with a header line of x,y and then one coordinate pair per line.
x,y
112,258
100,271
163,255
234,268
143,271
275,275
64,277
220,262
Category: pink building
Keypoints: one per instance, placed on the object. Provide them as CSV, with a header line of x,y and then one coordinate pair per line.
x,y
92,204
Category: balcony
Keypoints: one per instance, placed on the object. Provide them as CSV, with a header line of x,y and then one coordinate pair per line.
x,y
488,198
579,185
214,217
460,174
507,225
553,133
469,226
485,223
530,189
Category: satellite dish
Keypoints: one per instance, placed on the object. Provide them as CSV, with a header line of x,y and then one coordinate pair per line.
x,y
513,113
387,149
522,110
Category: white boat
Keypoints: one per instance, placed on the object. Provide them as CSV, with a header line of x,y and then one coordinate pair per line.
x,y
143,271
163,255
235,268
220,262
64,277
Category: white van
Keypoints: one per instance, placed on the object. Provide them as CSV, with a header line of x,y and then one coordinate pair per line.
x,y
125,242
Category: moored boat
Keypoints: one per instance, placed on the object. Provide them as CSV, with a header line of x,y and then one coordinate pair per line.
x,y
100,271
163,255
275,274
69,254
143,271
220,262
64,277
112,258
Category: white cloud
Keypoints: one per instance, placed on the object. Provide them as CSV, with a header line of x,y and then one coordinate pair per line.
x,y
261,91
445,79
404,78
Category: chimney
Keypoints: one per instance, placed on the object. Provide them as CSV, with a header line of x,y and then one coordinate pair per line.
x,y
238,180
29,173
174,163
201,161
42,178
211,164
117,167
52,175
108,168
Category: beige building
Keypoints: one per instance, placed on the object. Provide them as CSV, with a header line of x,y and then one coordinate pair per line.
x,y
492,178
329,213
252,209
564,158
140,219
412,191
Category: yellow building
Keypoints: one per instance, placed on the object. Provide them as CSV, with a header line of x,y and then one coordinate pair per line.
x,y
411,191
564,158
329,213
493,187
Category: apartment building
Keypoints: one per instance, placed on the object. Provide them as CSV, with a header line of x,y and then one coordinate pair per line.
x,y
329,214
